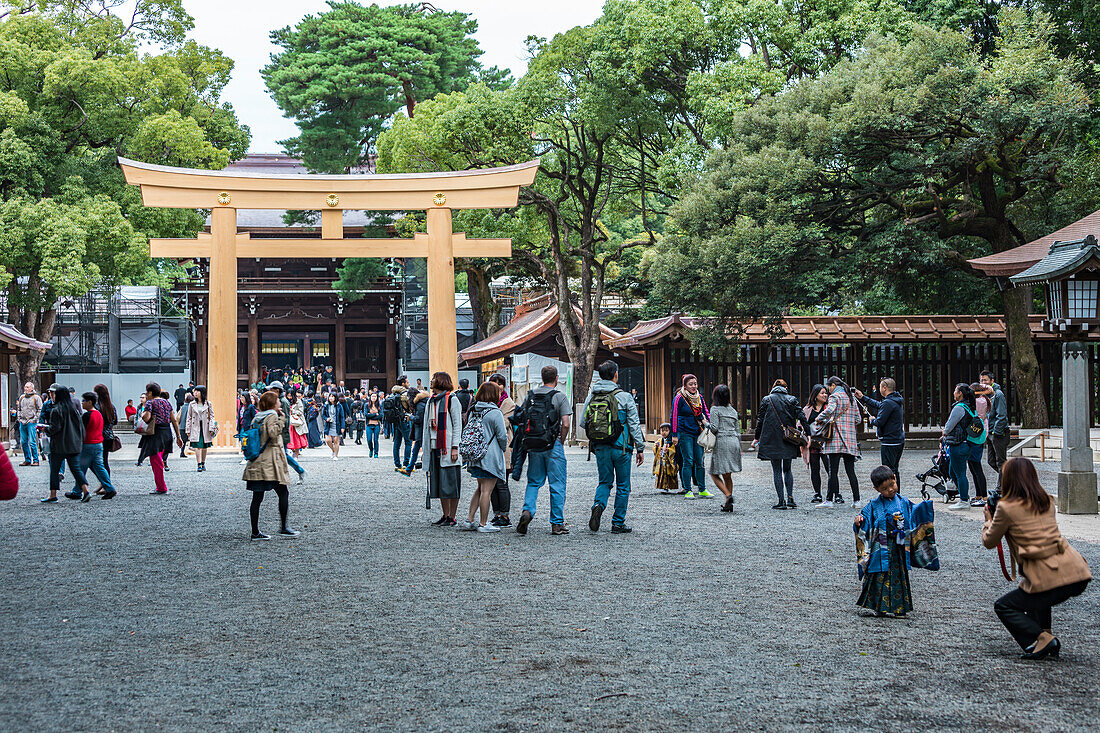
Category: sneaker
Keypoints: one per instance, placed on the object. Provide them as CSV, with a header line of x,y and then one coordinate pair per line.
x,y
959,504
779,506
791,504
72,495
335,458
487,528
621,529
397,469
704,494
858,504
467,526
288,532
451,522
594,520
524,520
260,536
404,471
109,495
558,529
827,504
244,462
816,500
504,521
302,477
441,522
49,500
689,495
976,502
838,499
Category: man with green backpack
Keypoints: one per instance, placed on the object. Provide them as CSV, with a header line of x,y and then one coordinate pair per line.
x,y
610,421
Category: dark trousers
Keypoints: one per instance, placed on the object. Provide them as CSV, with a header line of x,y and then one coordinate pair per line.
x,y
57,465
1026,615
501,497
997,450
258,498
890,455
816,459
834,475
783,478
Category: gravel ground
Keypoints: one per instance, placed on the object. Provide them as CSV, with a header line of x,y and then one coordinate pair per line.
x,y
157,612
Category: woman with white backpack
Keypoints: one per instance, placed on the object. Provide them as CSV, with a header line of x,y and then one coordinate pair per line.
x,y
484,442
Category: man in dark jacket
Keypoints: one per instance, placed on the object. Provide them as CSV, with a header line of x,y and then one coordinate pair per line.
x,y
889,422
998,425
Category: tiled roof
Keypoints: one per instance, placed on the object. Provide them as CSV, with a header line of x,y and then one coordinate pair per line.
x,y
1018,259
832,329
1064,259
16,341
523,331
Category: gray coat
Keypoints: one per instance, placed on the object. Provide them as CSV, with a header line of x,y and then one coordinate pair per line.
x,y
726,456
495,433
454,428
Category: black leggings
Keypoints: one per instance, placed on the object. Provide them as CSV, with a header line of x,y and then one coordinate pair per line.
x,y
258,498
782,476
1026,615
834,475
981,490
815,472
501,497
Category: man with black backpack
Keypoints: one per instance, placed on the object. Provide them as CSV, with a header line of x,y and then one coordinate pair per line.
x,y
544,427
613,428
395,413
465,397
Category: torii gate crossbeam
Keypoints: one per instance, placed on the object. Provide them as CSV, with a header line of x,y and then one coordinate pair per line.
x,y
224,192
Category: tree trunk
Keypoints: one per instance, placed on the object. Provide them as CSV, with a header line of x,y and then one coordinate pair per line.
x,y
486,310
1026,374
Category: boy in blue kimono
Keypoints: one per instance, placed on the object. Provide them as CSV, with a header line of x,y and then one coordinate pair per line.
x,y
883,532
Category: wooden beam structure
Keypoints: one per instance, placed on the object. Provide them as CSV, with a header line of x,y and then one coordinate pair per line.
x,y
224,192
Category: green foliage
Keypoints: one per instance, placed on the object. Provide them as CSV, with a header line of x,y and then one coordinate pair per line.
x,y
75,92
344,73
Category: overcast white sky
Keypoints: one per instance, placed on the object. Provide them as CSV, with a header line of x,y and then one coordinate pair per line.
x,y
240,29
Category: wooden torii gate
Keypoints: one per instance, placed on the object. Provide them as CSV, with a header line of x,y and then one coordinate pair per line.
x,y
223,192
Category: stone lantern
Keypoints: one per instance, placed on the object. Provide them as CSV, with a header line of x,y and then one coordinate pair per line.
x,y
1071,274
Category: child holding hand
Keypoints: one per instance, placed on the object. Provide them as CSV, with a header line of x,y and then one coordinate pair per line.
x,y
883,532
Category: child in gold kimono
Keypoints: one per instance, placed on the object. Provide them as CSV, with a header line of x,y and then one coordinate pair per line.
x,y
664,462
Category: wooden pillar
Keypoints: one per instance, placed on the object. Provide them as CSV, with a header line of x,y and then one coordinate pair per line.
x,y
443,325
307,352
221,380
338,352
253,349
391,355
201,345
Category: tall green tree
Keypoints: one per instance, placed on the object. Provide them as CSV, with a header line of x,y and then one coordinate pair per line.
x,y
921,152
75,93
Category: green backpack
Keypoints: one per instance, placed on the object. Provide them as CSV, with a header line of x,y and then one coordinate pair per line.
x,y
601,421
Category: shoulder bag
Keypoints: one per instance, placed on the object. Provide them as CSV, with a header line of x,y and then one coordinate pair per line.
x,y
791,434
707,439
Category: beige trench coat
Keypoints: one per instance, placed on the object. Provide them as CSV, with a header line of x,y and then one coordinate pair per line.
x,y
271,464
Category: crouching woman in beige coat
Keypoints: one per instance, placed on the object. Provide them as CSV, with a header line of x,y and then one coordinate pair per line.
x,y
1052,570
268,471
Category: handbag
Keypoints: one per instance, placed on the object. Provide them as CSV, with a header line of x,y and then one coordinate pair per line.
x,y
791,434
141,427
707,439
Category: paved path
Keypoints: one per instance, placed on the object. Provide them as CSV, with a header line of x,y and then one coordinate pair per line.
x,y
152,612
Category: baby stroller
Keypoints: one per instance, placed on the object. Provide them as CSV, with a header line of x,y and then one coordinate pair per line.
x,y
938,477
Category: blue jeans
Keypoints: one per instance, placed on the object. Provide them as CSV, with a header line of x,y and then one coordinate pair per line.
x,y
613,464
372,439
28,438
401,433
293,463
91,456
411,463
542,466
957,456
692,453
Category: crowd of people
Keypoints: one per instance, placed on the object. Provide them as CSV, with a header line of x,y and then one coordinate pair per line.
x,y
446,431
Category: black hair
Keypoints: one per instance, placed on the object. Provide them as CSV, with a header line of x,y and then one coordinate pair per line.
x,y
89,397
464,384
499,379
881,475
811,401
967,395
987,373
154,388
838,382
720,396
549,374
608,369
201,389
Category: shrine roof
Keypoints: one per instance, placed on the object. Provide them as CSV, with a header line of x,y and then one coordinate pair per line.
x,y
524,331
14,341
1018,259
1064,259
833,329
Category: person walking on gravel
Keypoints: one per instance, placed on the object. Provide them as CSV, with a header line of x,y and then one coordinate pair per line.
x,y
66,433
842,414
546,413
268,471
27,410
689,417
285,412
160,421
200,427
501,497
725,459
614,431
485,433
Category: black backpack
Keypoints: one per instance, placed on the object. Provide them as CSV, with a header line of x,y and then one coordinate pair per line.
x,y
392,410
541,425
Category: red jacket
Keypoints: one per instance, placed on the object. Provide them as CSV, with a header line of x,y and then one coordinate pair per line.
x,y
9,482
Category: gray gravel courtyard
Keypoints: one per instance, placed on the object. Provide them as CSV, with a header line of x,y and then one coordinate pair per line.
x,y
150,612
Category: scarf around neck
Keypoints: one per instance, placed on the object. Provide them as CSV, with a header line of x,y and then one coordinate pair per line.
x,y
443,401
694,401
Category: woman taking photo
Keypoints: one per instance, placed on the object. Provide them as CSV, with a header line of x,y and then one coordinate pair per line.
x,y
490,467
842,412
156,440
725,459
814,407
778,410
960,442
66,431
689,417
372,410
200,428
314,407
1052,570
269,471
